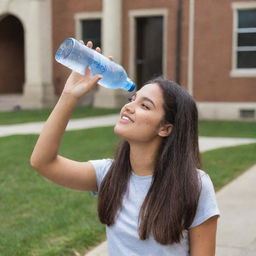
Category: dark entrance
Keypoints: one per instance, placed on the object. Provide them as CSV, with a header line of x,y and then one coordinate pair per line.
x,y
12,70
149,48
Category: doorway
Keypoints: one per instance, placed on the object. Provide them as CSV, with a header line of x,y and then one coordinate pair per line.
x,y
149,48
12,67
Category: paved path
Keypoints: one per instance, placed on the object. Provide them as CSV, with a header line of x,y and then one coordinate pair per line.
x,y
237,224
237,200
74,124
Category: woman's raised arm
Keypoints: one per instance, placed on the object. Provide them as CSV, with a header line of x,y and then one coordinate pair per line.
x,y
45,158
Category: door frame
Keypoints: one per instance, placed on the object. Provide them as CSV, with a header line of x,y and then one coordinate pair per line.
x,y
133,14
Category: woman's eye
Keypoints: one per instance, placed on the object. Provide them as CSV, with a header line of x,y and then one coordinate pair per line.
x,y
130,99
144,106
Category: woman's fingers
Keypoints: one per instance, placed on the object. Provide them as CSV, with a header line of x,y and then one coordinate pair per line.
x,y
98,49
89,44
87,72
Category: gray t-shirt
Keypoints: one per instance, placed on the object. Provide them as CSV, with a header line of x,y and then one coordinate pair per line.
x,y
123,238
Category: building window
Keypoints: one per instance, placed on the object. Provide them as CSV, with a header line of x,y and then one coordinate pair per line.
x,y
91,31
246,39
88,27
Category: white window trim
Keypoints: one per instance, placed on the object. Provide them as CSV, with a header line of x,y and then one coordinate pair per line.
x,y
84,16
240,72
133,14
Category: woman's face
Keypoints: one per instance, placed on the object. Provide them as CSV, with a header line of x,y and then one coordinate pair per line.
x,y
140,119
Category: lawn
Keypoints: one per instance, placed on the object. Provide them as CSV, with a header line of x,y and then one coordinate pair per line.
x,y
39,218
213,128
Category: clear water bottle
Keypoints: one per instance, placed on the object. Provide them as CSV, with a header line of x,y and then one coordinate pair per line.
x,y
77,57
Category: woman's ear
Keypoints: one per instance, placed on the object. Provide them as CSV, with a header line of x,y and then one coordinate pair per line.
x,y
165,130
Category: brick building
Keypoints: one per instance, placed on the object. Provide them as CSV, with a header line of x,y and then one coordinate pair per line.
x,y
208,47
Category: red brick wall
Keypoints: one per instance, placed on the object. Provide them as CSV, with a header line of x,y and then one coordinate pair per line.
x,y
63,27
213,55
212,45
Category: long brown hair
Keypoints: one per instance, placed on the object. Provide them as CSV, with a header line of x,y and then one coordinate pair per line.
x,y
170,204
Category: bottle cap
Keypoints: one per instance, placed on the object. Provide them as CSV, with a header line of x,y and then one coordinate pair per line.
x,y
131,85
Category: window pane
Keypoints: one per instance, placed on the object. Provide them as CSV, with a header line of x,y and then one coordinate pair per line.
x,y
247,18
91,30
247,39
246,59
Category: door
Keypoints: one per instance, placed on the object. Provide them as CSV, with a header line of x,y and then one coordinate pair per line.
x,y
149,48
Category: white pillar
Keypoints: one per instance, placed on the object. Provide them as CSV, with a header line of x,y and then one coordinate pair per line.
x,y
111,46
38,88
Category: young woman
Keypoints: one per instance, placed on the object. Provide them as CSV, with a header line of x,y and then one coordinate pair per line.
x,y
153,197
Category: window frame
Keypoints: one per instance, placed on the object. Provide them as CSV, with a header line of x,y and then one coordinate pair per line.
x,y
79,17
240,72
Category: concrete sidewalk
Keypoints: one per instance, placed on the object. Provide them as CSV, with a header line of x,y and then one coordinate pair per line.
x,y
236,234
74,124
237,225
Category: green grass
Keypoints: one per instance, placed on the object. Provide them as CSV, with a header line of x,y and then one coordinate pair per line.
x,y
213,128
39,218
24,116
225,164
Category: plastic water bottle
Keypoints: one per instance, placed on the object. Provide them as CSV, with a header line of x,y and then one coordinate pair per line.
x,y
77,57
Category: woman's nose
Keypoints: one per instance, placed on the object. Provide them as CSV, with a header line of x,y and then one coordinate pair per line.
x,y
129,107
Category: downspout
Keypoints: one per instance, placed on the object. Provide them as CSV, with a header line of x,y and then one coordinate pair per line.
x,y
191,45
178,41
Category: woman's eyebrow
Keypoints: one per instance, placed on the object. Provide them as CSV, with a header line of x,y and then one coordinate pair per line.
x,y
144,98
148,99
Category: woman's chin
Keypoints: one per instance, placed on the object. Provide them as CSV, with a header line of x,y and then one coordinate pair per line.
x,y
119,131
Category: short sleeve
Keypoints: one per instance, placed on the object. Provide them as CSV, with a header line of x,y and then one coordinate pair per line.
x,y
101,168
207,205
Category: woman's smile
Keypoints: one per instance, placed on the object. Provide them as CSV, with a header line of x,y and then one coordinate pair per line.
x,y
125,119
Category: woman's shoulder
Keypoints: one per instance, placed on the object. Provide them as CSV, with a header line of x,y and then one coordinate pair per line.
x,y
202,174
207,204
101,165
204,179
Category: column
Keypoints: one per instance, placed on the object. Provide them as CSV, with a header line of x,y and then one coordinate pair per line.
x,y
111,46
38,88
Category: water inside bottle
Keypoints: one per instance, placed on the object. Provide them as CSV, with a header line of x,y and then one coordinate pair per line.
x,y
64,50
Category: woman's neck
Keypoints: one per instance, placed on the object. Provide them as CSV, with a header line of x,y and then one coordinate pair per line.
x,y
142,157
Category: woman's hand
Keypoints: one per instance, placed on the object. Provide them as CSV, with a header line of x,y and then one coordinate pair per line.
x,y
78,85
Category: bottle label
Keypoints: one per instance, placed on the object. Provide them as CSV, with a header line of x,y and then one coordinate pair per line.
x,y
96,64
